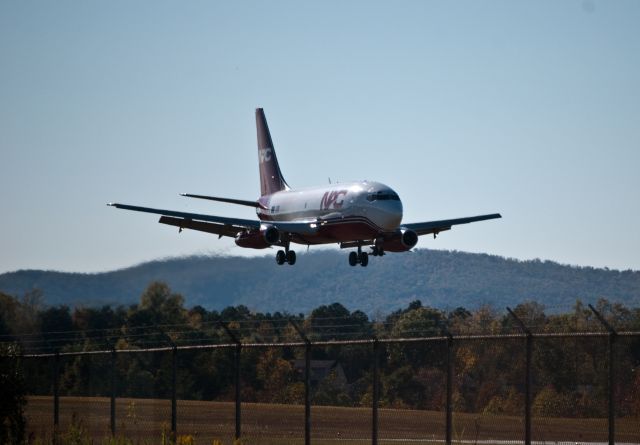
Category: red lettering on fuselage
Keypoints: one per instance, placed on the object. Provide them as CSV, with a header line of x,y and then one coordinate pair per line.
x,y
330,200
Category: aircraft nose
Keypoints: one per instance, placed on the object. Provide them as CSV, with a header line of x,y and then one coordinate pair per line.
x,y
391,214
385,207
397,212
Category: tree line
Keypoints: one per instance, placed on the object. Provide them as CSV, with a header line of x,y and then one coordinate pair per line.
x,y
569,374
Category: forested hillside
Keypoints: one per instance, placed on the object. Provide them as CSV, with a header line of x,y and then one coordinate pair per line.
x,y
442,279
569,374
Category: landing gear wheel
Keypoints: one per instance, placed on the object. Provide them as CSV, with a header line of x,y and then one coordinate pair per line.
x,y
364,259
281,257
291,257
353,258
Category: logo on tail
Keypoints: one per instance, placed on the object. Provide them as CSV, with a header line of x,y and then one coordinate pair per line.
x,y
265,154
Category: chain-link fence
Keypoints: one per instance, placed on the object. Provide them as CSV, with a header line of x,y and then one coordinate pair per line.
x,y
482,389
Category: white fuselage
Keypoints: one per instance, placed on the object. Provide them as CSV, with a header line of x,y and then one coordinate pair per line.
x,y
374,202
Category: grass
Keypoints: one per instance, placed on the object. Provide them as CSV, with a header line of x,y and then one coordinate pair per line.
x,y
145,420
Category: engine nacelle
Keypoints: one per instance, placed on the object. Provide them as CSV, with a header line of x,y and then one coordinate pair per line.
x,y
409,238
401,241
258,239
271,235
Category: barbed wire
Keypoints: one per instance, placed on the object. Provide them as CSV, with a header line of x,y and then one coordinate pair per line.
x,y
156,330
323,343
261,324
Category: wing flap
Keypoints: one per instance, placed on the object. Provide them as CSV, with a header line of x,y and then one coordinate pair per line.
x,y
424,228
210,223
218,229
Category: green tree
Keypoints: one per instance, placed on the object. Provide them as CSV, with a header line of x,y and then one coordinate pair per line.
x,y
274,375
164,305
331,391
417,322
8,310
401,389
12,395
27,313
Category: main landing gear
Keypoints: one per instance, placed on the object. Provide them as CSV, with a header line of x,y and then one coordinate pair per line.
x,y
286,256
362,258
359,257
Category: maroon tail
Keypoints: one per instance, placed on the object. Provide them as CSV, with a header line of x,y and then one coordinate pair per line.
x,y
271,179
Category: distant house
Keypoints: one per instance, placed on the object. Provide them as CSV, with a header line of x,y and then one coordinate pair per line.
x,y
321,369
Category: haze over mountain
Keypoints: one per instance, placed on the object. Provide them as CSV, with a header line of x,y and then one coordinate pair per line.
x,y
443,279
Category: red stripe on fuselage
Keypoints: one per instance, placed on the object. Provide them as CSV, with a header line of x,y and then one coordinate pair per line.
x,y
356,228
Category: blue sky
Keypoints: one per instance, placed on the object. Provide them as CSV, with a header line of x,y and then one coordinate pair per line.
x,y
528,108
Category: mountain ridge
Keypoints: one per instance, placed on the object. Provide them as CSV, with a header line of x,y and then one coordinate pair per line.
x,y
440,278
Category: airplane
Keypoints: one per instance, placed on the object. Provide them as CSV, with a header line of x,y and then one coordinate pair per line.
x,y
352,214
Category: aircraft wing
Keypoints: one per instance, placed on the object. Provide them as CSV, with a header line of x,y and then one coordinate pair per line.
x,y
424,228
220,225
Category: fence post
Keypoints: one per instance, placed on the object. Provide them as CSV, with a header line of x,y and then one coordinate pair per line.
x,y
307,393
174,405
528,389
238,391
527,378
307,382
612,391
376,391
113,391
56,396
611,377
238,350
174,379
449,407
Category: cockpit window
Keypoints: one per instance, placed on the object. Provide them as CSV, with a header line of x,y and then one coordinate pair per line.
x,y
383,196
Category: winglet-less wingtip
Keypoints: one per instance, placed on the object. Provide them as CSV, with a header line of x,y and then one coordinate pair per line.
x,y
111,204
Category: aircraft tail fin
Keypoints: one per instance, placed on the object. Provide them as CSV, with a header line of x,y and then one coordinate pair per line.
x,y
271,179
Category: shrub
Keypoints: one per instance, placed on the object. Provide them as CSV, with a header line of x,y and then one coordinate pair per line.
x,y
550,403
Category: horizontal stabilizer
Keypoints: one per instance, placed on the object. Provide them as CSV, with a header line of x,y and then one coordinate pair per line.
x,y
241,202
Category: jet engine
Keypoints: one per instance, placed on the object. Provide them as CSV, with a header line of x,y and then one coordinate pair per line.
x,y
401,241
258,239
